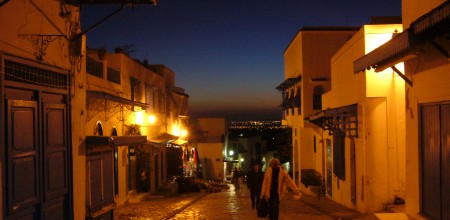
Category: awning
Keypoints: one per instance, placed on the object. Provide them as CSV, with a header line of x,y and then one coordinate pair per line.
x,y
434,22
344,119
106,96
179,142
115,140
387,54
288,83
163,138
316,118
400,48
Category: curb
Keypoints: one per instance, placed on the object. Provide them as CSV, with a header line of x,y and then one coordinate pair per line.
x,y
334,213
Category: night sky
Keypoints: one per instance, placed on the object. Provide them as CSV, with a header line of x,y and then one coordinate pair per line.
x,y
227,54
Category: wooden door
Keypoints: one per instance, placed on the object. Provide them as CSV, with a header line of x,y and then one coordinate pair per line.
x,y
55,164
435,165
35,140
37,165
22,156
100,182
445,139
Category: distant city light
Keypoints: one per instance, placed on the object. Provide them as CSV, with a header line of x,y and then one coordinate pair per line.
x,y
259,125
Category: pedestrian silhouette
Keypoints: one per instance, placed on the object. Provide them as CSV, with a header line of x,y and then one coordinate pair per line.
x,y
255,179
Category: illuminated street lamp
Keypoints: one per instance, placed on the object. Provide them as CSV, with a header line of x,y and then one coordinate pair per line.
x,y
231,152
183,133
139,117
151,119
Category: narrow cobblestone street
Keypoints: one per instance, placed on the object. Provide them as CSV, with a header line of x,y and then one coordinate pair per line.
x,y
227,204
237,205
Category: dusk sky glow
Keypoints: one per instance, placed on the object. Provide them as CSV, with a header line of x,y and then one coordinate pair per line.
x,y
227,54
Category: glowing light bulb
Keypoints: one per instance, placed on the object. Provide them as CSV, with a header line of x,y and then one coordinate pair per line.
x,y
151,119
139,117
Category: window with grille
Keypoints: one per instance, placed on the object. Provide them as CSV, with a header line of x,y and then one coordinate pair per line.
x,y
23,73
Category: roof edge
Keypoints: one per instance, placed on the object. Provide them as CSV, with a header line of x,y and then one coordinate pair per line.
x,y
322,28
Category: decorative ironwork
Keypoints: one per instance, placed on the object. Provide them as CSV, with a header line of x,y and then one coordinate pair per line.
x,y
346,124
94,106
112,108
41,41
343,119
111,105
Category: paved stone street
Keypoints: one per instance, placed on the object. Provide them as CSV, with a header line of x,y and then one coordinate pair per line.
x,y
227,204
237,205
156,207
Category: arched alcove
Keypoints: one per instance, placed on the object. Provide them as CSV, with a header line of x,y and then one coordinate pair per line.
x,y
114,131
98,129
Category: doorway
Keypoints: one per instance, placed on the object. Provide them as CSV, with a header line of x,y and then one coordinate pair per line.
x,y
36,151
329,153
36,140
435,154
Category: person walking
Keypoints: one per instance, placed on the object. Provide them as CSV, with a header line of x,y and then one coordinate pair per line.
x,y
241,177
255,179
236,176
276,181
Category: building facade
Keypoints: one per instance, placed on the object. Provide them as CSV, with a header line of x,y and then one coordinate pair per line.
x,y
307,74
83,127
363,124
208,138
40,51
349,134
424,48
134,113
